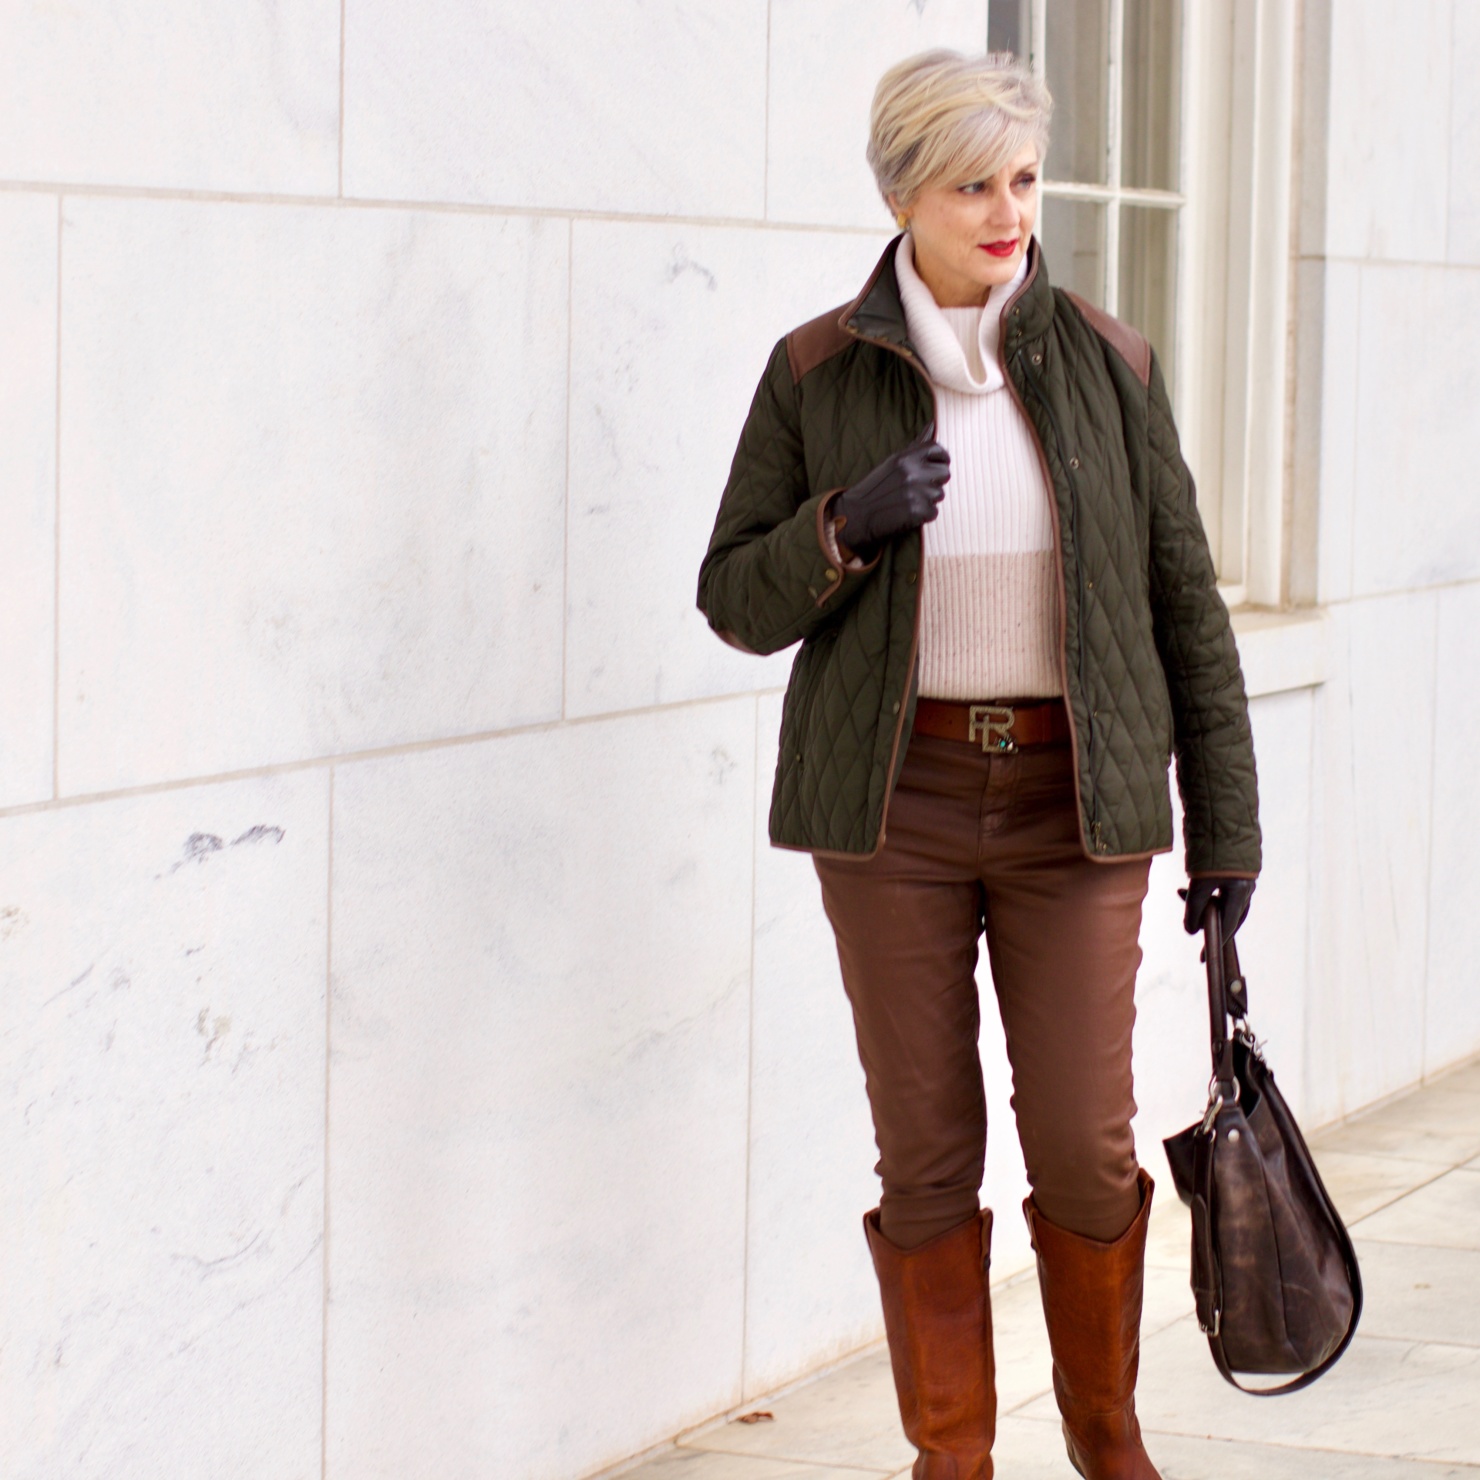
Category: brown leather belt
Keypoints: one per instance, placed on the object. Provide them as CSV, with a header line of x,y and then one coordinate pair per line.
x,y
996,727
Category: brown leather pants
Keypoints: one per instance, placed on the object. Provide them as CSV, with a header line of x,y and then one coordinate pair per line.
x,y
994,838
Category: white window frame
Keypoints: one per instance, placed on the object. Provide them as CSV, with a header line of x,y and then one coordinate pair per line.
x,y
1233,268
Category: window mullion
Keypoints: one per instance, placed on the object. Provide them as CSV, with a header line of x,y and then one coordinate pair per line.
x,y
1115,51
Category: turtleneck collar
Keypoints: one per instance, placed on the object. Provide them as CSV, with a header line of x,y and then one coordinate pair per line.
x,y
944,337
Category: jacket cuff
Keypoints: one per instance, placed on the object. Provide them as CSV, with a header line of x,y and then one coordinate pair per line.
x,y
838,566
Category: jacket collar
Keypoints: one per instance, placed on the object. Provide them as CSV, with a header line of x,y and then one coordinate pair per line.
x,y
878,311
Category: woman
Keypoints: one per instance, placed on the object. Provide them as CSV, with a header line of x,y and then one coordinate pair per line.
x,y
962,492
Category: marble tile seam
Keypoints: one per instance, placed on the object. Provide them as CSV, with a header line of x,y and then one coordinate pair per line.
x,y
340,140
1440,1170
570,335
1428,914
328,1069
451,207
755,846
810,1460
1293,1448
1442,264
1449,135
1301,614
56,538
766,124
373,753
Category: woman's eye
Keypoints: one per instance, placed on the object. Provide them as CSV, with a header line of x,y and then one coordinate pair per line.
x,y
974,188
1026,182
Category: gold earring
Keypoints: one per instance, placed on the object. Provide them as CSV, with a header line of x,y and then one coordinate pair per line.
x,y
901,220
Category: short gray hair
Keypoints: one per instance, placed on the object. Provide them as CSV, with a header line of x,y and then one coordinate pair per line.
x,y
941,118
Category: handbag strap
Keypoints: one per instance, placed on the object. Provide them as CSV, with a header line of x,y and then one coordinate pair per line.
x,y
1228,997
1213,955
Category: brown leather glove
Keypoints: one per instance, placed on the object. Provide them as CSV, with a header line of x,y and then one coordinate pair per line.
x,y
901,494
1233,902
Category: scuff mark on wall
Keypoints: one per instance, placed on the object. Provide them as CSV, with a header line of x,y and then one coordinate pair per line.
x,y
259,834
200,846
683,263
212,1030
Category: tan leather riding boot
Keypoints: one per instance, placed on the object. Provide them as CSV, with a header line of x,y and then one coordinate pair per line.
x,y
938,1317
1092,1303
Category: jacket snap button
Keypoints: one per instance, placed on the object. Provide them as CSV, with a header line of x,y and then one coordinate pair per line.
x,y
896,706
1073,462
832,575
1089,585
1037,359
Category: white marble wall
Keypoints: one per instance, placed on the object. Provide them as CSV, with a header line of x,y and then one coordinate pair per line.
x,y
162,1010
28,376
1388,385
420,1063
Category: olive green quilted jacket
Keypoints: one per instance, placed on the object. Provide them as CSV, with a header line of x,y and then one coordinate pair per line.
x,y
1147,652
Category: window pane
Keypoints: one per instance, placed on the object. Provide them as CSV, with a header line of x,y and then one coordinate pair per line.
x,y
1073,237
1009,27
1148,278
1076,66
1153,94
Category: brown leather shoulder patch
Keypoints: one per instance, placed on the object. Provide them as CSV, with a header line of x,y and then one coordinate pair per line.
x,y
818,340
1132,347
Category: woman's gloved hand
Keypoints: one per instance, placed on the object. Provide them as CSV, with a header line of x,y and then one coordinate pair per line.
x,y
901,494
1233,902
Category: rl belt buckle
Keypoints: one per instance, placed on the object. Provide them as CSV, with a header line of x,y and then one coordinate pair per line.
x,y
993,724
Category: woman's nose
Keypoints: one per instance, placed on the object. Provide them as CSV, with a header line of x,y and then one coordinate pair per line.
x,y
1003,210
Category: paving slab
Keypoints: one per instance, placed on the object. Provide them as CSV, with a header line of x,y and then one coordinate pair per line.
x,y
1393,1399
1403,1404
1360,1184
1438,1124
1445,1213
698,1464
1032,1449
1466,1078
1416,1292
848,1419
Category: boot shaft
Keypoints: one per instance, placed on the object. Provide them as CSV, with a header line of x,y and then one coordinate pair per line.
x,y
1092,1296
938,1317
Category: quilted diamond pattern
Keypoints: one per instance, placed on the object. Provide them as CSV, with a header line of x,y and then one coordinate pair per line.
x,y
1150,661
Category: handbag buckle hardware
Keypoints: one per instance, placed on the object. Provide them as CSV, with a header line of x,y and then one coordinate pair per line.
x,y
1244,1034
1215,1328
992,724
1215,1104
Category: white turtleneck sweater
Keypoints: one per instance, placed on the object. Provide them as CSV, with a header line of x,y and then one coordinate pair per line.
x,y
989,618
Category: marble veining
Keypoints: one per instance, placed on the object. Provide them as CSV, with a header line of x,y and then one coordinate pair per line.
x,y
366,550
163,1176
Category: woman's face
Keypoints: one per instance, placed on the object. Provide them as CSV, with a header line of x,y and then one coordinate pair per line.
x,y
970,238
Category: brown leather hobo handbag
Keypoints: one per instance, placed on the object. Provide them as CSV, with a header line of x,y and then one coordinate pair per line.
x,y
1273,1269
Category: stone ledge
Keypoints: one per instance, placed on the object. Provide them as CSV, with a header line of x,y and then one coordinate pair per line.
x,y
1280,651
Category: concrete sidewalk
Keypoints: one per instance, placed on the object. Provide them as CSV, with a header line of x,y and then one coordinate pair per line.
x,y
1403,1403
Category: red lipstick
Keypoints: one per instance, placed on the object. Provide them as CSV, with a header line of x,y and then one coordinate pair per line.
x,y
1003,248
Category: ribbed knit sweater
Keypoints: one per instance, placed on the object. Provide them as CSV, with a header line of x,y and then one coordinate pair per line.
x,y
989,620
